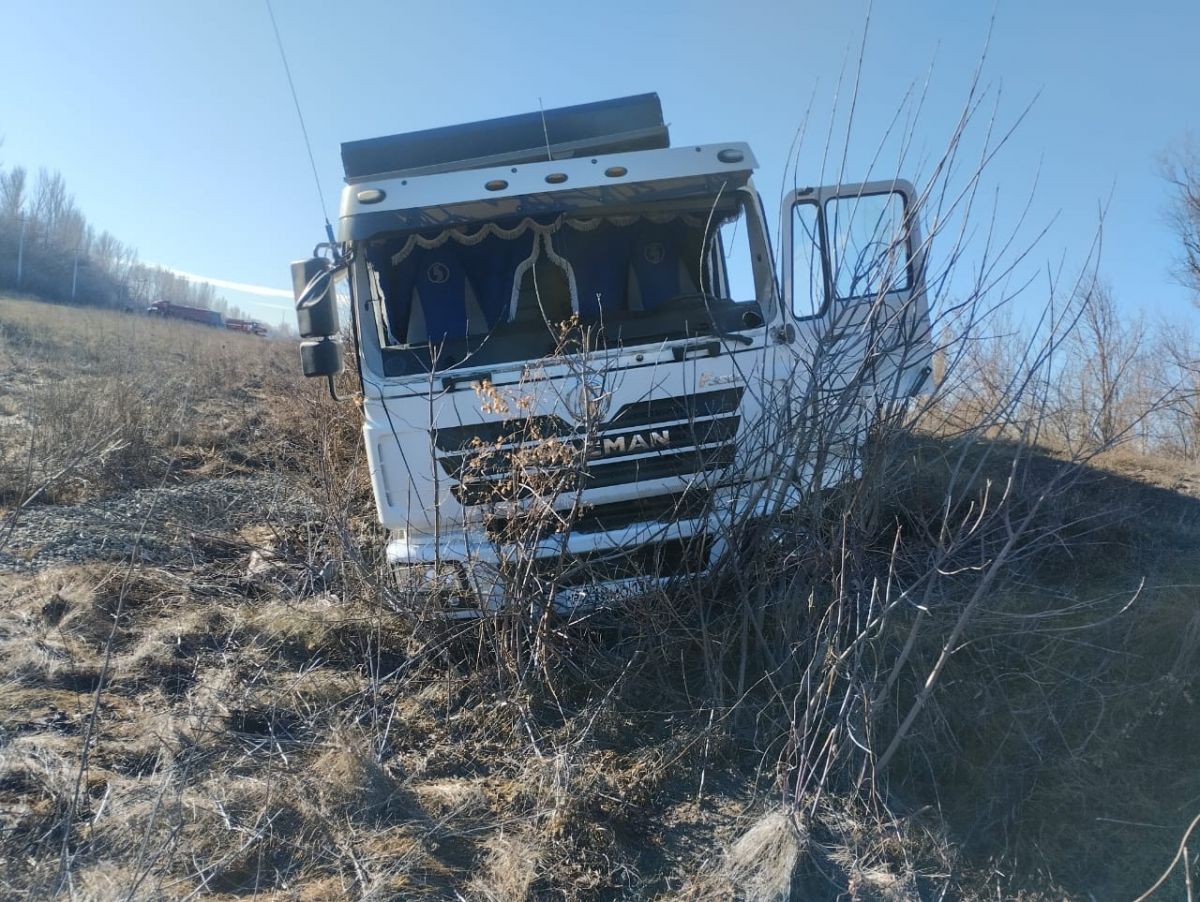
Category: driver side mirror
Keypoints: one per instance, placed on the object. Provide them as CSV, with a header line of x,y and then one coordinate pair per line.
x,y
317,316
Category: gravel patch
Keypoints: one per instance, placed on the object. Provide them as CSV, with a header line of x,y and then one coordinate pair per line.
x,y
155,523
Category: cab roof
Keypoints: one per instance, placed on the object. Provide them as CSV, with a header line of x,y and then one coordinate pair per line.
x,y
583,186
606,126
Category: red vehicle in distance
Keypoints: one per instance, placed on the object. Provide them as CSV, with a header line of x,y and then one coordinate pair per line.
x,y
205,317
200,315
253,326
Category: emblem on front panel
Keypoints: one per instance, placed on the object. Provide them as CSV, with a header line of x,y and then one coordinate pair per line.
x,y
588,397
655,439
438,273
654,252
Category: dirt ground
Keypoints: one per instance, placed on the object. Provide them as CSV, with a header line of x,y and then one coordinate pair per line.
x,y
202,695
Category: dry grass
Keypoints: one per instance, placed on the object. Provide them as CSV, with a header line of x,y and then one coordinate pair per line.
x,y
509,867
258,722
96,401
762,863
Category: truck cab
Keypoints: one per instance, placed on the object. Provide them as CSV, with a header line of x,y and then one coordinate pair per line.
x,y
580,361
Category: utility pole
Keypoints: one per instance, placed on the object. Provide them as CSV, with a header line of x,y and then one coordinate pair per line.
x,y
75,275
21,251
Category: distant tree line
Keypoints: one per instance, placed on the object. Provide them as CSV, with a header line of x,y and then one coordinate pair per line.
x,y
1118,379
49,249
1181,168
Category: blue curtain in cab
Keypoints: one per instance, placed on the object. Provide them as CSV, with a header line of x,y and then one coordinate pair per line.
x,y
440,280
599,258
440,277
491,266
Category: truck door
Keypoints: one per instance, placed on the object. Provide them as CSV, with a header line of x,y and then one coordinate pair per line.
x,y
853,286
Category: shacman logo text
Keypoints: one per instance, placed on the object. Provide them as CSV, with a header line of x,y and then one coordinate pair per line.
x,y
628,444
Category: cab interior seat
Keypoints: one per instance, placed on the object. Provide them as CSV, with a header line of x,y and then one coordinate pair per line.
x,y
664,263
543,295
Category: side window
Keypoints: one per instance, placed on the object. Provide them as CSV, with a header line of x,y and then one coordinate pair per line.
x,y
868,245
737,261
808,275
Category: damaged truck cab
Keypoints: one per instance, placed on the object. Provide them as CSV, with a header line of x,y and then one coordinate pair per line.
x,y
579,363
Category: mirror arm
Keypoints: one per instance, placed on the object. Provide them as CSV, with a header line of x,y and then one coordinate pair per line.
x,y
335,251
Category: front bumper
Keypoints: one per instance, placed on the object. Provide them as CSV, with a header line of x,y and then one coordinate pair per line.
x,y
466,572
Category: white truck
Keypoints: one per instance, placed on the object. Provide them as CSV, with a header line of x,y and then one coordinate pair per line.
x,y
580,364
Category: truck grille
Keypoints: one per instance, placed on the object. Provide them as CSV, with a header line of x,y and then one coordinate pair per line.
x,y
498,461
607,517
645,440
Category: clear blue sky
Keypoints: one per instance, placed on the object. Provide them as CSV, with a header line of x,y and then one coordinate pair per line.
x,y
173,125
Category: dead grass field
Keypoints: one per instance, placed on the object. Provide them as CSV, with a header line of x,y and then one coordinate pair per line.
x,y
201,694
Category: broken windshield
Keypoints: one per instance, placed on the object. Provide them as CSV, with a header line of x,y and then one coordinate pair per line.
x,y
506,290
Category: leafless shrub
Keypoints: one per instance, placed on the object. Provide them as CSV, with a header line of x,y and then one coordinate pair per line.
x,y
1181,169
1177,352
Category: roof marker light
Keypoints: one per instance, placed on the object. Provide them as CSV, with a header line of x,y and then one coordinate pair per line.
x,y
730,155
496,185
370,195
556,178
615,172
